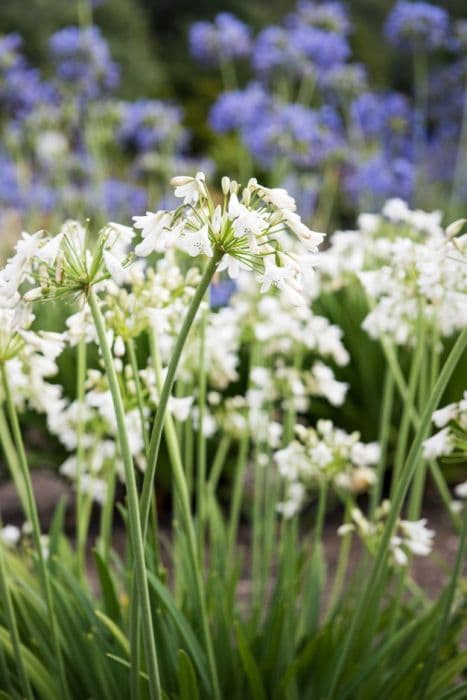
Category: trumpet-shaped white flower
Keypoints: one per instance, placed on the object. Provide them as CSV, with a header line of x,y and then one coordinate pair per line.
x,y
190,189
156,232
248,231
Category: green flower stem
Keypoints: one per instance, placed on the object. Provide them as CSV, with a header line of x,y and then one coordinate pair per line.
x,y
136,535
140,401
404,427
156,434
237,492
258,511
228,74
372,591
417,487
393,363
181,488
33,517
421,103
188,450
106,522
306,88
82,501
321,512
201,444
218,463
12,460
12,626
460,168
130,345
342,562
384,435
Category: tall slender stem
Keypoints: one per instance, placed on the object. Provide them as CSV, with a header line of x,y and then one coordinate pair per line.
x,y
36,531
130,344
201,452
384,433
404,427
182,491
12,459
156,434
82,513
136,535
342,562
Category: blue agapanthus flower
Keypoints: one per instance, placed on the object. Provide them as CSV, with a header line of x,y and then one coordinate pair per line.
x,y
148,124
238,109
119,197
331,16
321,48
417,25
225,38
10,56
376,114
221,291
306,137
373,181
11,195
83,61
21,87
299,50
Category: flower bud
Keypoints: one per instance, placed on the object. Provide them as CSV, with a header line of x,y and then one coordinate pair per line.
x,y
225,183
33,294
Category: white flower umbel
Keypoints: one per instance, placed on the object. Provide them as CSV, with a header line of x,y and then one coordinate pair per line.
x,y
250,229
408,267
324,455
63,265
411,537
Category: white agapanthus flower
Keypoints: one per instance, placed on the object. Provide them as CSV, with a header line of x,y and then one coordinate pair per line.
x,y
407,266
449,444
410,537
251,229
324,455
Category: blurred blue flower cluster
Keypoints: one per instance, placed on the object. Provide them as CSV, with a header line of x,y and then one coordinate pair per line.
x,y
70,147
224,39
417,25
309,116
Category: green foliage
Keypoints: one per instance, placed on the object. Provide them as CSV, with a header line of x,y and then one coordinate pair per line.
x,y
275,656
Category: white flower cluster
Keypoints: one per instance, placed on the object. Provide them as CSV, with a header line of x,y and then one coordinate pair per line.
x,y
410,536
407,265
250,229
324,455
450,442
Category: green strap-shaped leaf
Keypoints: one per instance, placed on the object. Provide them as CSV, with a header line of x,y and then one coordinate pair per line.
x,y
189,689
38,675
109,593
250,666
